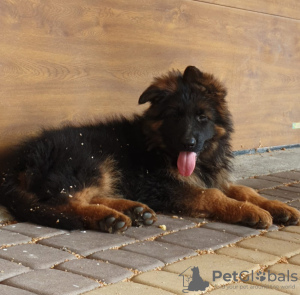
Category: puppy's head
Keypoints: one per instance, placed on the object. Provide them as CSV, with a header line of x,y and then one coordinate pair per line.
x,y
188,115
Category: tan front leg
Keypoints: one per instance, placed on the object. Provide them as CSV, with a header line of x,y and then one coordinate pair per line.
x,y
213,203
281,213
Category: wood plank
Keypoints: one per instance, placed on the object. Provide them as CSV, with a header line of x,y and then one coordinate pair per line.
x,y
64,61
284,8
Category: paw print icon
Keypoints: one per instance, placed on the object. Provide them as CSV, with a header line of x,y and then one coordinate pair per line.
x,y
260,276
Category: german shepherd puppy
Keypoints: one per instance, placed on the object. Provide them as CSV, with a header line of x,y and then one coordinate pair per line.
x,y
174,158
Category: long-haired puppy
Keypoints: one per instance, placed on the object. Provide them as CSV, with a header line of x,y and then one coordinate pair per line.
x,y
176,157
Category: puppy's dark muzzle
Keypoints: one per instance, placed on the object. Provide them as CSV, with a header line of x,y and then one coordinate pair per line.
x,y
188,143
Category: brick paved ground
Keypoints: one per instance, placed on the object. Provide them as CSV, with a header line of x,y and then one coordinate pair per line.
x,y
39,260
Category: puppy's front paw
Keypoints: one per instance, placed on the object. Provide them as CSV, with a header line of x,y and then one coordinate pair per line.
x,y
256,217
282,213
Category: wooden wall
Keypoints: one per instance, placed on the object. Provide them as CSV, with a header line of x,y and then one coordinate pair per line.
x,y
73,60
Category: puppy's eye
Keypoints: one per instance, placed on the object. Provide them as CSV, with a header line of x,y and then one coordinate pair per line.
x,y
201,118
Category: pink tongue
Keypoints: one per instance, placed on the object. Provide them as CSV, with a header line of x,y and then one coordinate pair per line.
x,y
186,163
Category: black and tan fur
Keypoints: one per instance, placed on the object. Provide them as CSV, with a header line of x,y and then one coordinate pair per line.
x,y
107,176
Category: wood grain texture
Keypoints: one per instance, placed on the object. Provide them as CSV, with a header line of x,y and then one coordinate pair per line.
x,y
284,8
72,61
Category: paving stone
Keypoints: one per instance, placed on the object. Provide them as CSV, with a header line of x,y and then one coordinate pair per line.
x,y
33,230
128,259
293,189
173,224
295,204
9,238
295,259
200,238
281,193
258,183
86,242
265,244
165,280
7,290
143,233
276,198
238,230
292,175
274,179
52,282
101,271
35,256
284,235
245,289
197,220
209,263
286,287
287,269
164,252
292,228
10,269
272,228
252,256
128,288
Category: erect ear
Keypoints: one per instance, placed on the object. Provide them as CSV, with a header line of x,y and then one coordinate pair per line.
x,y
152,94
192,74
161,88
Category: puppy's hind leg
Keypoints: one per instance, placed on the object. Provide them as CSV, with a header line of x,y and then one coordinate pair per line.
x,y
71,214
140,214
26,206
98,216
109,214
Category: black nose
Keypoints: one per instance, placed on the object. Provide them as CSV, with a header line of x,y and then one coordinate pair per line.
x,y
189,142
